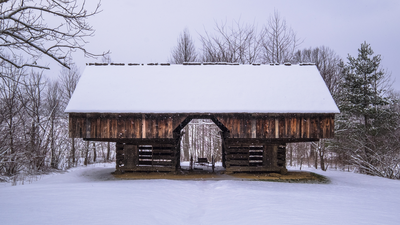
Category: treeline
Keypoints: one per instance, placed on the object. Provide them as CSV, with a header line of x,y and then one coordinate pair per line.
x,y
367,129
34,128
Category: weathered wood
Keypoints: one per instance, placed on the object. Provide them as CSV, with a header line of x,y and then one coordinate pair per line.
x,y
252,169
238,126
119,156
276,127
270,155
131,156
236,156
151,169
253,128
237,163
143,126
163,162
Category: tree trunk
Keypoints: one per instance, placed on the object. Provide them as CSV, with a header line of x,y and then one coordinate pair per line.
x,y
73,152
52,163
94,152
316,159
87,154
321,158
108,151
291,155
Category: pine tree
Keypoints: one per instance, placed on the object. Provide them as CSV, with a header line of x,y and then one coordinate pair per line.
x,y
364,86
367,116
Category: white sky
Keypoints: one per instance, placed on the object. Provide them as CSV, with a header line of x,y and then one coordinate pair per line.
x,y
146,31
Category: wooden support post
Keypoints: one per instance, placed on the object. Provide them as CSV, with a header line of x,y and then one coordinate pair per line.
x,y
270,156
191,163
119,159
223,149
212,163
281,157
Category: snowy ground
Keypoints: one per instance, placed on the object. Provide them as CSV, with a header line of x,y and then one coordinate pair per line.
x,y
92,196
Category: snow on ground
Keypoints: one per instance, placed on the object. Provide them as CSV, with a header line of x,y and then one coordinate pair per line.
x,y
92,196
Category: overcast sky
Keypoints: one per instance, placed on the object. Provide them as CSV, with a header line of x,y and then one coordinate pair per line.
x,y
146,31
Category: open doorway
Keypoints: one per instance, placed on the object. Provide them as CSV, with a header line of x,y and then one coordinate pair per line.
x,y
201,142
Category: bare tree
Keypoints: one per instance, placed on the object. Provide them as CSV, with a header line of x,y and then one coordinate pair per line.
x,y
34,87
68,80
53,110
327,62
106,58
11,110
185,50
239,43
24,30
279,40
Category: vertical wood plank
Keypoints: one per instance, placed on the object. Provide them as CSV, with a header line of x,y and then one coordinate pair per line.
x,y
93,127
98,127
253,127
282,127
149,125
129,126
87,126
273,126
113,127
154,126
104,127
138,127
260,132
170,127
120,126
143,126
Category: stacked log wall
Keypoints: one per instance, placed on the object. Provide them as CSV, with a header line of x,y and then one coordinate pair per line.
x,y
255,158
144,158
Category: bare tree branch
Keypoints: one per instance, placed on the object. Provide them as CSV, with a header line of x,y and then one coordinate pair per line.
x,y
279,41
239,43
185,50
23,30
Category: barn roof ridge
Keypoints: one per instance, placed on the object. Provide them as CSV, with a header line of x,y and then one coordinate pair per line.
x,y
200,64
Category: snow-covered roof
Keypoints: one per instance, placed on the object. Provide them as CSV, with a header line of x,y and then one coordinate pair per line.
x,y
201,89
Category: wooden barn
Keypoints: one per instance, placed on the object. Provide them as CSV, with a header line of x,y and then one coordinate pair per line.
x,y
259,108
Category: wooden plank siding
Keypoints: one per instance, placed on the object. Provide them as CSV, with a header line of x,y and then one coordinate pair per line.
x,y
123,126
282,126
237,126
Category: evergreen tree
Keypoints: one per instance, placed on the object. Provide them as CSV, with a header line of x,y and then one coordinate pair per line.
x,y
368,117
364,86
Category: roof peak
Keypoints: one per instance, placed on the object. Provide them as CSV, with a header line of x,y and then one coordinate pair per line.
x,y
199,64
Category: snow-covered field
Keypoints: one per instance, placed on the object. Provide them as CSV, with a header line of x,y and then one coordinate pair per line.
x,y
92,196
